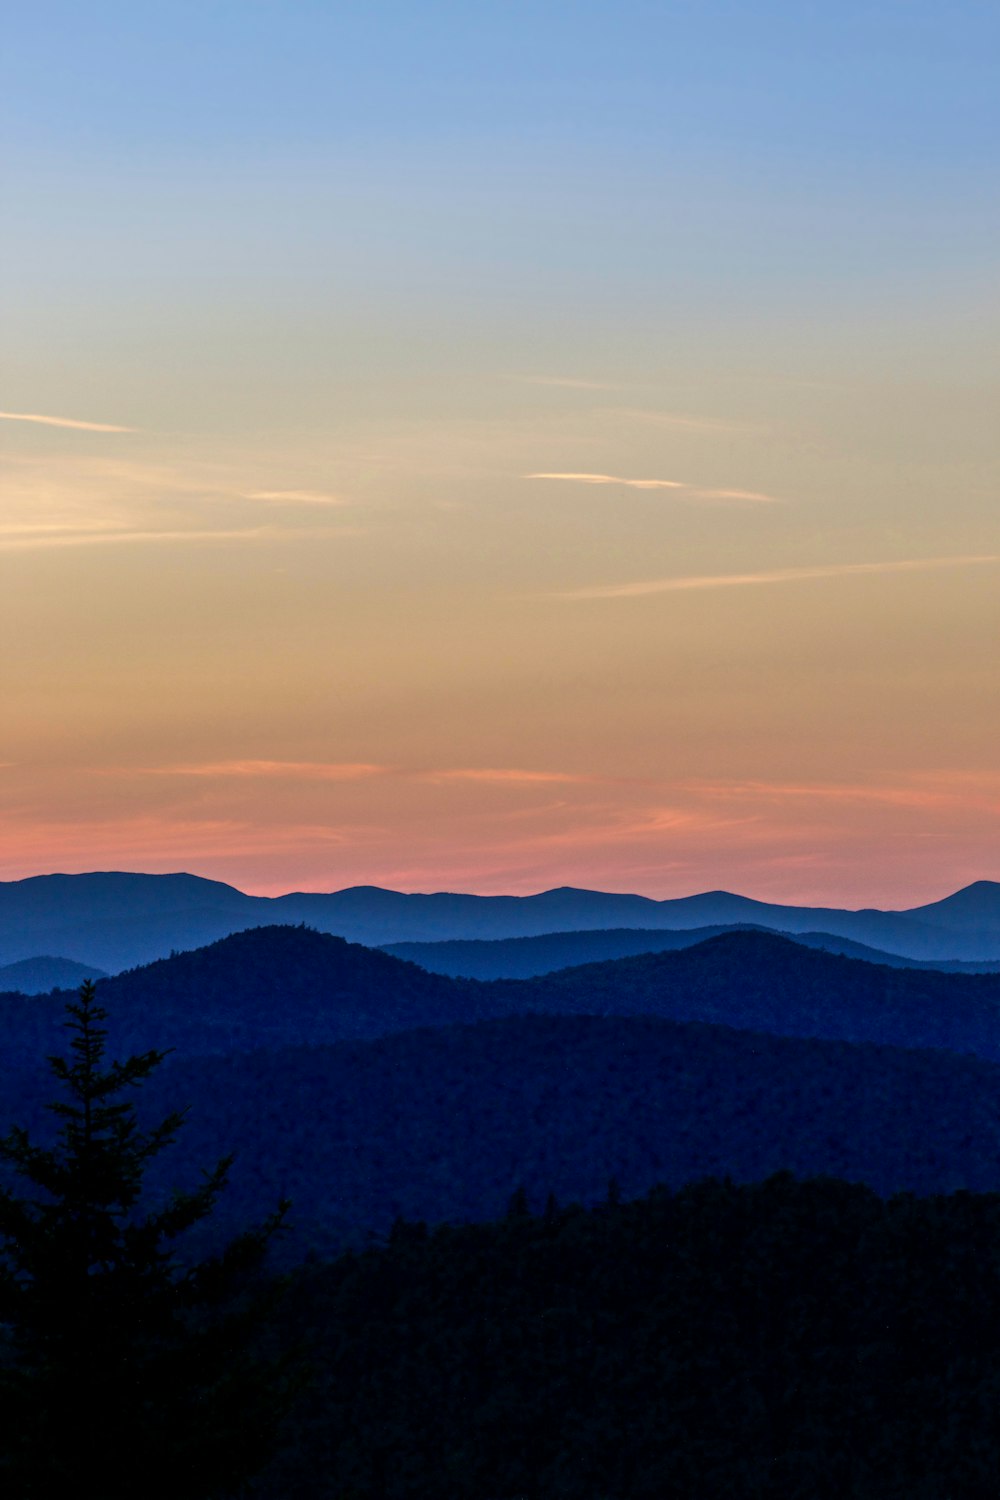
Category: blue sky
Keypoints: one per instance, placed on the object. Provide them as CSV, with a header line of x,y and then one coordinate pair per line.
x,y
734,166
910,84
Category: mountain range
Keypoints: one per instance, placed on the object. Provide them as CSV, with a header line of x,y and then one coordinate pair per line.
x,y
366,1087
114,921
290,986
530,957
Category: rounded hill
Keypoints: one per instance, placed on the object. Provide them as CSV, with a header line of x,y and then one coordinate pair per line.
x,y
275,986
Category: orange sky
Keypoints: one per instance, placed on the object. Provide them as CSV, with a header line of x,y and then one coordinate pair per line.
x,y
502,500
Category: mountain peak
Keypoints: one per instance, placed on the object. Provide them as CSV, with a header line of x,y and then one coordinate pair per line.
x,y
974,905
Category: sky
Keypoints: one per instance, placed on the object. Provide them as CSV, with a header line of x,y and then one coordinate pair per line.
x,y
504,446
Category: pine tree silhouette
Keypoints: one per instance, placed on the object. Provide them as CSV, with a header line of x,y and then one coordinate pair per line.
x,y
123,1371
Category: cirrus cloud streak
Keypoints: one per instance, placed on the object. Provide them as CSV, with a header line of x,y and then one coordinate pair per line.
x,y
309,770
72,422
772,575
632,484
688,491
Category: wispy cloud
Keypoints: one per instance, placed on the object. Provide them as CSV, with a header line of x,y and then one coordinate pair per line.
x,y
78,426
751,791
33,539
623,826
41,529
296,497
776,575
751,495
686,491
310,770
633,484
97,537
88,500
922,791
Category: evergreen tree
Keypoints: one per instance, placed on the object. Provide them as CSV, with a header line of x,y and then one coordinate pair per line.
x,y
123,1371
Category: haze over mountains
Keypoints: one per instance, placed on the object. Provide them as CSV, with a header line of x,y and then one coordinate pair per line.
x,y
445,1123
115,920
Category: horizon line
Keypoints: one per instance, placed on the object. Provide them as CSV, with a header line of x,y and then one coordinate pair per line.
x,y
495,896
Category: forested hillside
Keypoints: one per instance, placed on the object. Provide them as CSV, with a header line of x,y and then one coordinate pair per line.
x,y
771,1340
363,1087
287,986
763,982
786,1339
445,1123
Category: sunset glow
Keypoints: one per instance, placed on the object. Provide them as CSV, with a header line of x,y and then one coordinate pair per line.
x,y
499,449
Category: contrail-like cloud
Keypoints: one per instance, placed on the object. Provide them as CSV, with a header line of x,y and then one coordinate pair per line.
x,y
776,575
633,484
690,491
78,426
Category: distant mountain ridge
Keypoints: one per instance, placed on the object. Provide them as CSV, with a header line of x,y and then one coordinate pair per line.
x,y
37,976
531,957
289,986
116,920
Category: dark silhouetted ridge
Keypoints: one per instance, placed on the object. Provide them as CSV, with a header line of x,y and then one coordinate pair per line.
x,y
274,986
531,957
36,976
281,986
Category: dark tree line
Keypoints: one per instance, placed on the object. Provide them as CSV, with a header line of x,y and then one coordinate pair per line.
x,y
788,1340
781,1340
124,1370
